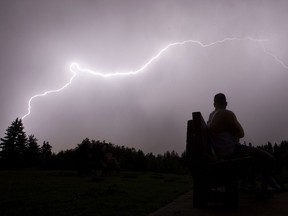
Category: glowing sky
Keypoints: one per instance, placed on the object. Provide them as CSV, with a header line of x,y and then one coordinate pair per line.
x,y
40,39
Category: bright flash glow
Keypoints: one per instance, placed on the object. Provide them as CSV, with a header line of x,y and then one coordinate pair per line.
x,y
75,65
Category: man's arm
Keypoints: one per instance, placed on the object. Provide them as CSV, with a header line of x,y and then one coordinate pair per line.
x,y
210,119
235,127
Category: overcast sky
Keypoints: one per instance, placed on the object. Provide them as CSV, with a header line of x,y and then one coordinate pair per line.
x,y
40,39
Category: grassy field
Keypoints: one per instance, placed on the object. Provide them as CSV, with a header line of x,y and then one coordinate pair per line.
x,y
64,193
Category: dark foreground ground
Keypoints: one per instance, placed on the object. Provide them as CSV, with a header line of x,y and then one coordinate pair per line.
x,y
248,206
64,193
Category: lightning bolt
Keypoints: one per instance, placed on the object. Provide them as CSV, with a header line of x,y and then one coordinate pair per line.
x,y
142,68
274,57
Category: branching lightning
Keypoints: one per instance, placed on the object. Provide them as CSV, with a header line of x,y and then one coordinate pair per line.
x,y
274,57
75,65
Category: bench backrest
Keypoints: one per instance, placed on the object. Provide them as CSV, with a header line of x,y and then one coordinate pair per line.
x,y
198,146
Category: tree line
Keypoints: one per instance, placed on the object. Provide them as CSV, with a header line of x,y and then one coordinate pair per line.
x,y
17,150
92,156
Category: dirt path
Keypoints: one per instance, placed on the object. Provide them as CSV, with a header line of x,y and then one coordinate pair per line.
x,y
248,206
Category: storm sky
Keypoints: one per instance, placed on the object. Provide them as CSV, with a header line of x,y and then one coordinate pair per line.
x,y
40,39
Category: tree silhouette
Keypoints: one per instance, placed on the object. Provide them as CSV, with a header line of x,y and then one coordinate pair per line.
x,y
46,149
13,145
83,156
45,155
33,150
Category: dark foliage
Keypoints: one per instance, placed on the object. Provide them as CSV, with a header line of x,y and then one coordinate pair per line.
x,y
18,151
93,156
90,156
33,150
13,145
280,152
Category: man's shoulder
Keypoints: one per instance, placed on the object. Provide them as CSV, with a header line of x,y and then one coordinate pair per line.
x,y
222,113
230,114
225,113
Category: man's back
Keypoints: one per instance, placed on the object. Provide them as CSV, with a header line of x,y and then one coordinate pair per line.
x,y
225,133
225,121
224,128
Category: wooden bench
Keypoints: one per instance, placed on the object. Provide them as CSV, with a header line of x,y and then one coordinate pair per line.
x,y
215,180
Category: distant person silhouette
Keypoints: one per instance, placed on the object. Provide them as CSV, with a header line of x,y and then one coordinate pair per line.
x,y
110,163
225,132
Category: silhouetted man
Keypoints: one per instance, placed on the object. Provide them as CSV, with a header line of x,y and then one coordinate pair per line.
x,y
225,131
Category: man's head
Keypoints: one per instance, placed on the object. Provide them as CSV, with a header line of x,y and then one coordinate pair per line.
x,y
220,101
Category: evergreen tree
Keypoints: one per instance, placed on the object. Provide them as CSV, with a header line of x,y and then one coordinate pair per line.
x,y
33,150
46,150
46,155
13,145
